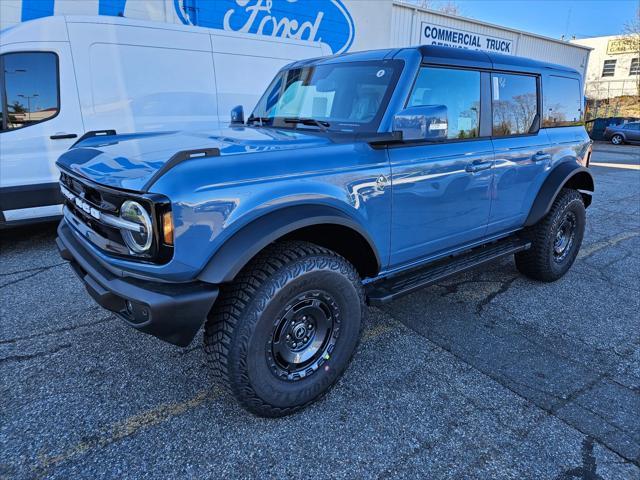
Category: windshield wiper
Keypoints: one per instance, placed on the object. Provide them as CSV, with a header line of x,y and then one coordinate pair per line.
x,y
262,120
321,124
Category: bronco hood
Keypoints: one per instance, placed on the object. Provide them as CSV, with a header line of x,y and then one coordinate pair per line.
x,y
135,161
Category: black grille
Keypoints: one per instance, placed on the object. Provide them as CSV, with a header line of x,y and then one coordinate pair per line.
x,y
108,201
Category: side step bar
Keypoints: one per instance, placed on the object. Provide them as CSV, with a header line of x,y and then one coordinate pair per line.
x,y
390,288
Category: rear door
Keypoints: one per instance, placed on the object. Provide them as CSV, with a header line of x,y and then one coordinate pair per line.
x,y
521,148
41,120
441,192
633,132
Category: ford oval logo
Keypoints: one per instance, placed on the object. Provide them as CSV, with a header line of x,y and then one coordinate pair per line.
x,y
325,21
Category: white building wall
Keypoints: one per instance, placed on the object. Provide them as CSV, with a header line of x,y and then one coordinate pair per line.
x,y
407,20
622,83
374,23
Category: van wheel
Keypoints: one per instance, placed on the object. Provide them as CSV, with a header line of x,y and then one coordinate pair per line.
x,y
617,140
555,240
282,334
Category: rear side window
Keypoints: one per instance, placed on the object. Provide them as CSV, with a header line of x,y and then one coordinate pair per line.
x,y
458,90
562,102
30,88
515,104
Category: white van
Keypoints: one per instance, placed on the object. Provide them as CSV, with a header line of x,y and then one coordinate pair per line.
x,y
65,77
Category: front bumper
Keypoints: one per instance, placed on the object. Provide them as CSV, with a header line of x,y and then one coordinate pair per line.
x,y
170,311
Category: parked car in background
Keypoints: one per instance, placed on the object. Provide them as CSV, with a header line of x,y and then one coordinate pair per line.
x,y
625,133
357,178
65,78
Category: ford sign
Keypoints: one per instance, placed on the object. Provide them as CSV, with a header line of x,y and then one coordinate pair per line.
x,y
325,21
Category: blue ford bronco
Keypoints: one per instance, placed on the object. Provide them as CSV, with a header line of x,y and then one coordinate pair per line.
x,y
356,179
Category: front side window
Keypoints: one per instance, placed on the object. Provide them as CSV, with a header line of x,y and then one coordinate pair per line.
x,y
634,68
30,82
562,102
515,104
458,91
609,68
343,97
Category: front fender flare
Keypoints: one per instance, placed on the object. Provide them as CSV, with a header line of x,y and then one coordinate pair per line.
x,y
566,174
250,239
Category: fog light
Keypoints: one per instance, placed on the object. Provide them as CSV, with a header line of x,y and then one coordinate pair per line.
x,y
129,306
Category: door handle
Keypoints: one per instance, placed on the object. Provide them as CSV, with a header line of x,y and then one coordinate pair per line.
x,y
541,157
63,136
477,166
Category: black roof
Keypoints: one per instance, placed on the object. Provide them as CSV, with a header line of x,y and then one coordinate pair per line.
x,y
476,58
434,54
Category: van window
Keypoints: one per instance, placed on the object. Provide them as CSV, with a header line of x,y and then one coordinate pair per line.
x,y
515,103
458,90
30,81
562,102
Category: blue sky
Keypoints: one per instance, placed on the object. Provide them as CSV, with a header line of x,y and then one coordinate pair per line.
x,y
553,18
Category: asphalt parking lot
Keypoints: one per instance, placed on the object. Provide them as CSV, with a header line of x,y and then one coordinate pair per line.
x,y
488,375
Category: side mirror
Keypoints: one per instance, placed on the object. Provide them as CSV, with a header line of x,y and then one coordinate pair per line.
x,y
428,122
237,115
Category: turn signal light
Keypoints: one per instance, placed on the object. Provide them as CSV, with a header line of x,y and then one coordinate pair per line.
x,y
167,228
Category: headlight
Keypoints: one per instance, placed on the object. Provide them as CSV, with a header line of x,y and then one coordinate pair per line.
x,y
139,242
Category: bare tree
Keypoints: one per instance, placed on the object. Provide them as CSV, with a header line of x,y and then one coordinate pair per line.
x,y
450,7
631,38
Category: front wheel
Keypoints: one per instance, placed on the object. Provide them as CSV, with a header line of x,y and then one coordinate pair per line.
x,y
282,334
617,140
555,240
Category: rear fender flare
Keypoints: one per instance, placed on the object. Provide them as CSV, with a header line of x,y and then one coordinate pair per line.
x,y
567,174
249,240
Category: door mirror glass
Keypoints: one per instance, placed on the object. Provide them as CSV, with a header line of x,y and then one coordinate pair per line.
x,y
427,122
237,115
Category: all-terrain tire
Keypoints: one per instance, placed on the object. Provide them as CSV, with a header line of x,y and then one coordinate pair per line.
x,y
546,260
241,328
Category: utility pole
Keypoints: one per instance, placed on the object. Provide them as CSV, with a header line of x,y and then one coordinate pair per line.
x,y
29,97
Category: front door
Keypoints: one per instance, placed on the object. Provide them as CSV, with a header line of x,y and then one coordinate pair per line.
x,y
41,120
441,192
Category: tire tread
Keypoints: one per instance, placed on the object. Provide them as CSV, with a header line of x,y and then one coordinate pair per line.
x,y
251,289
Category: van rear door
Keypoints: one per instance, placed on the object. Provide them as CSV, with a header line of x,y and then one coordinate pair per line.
x,y
41,120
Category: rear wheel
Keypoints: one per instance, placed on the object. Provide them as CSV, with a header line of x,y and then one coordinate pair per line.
x,y
617,140
555,240
282,334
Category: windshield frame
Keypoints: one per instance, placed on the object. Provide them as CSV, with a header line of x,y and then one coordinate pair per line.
x,y
371,127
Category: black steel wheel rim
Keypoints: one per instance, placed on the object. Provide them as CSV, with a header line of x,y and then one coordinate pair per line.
x,y
303,336
565,237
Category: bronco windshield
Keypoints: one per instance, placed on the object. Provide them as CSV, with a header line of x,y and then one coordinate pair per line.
x,y
341,97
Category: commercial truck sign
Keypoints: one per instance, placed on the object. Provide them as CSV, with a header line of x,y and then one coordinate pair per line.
x,y
432,34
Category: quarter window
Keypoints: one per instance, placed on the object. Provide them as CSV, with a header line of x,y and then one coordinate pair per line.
x,y
609,68
515,104
562,102
634,68
30,82
458,90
